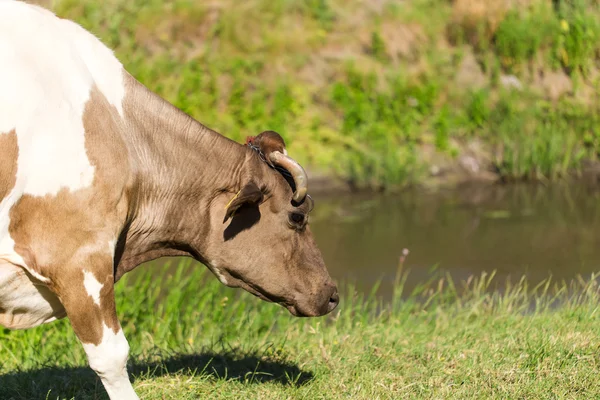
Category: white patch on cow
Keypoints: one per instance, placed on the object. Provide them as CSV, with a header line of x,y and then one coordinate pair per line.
x,y
109,360
106,70
285,153
92,286
217,271
220,276
48,67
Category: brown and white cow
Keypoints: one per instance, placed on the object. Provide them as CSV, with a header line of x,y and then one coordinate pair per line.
x,y
98,175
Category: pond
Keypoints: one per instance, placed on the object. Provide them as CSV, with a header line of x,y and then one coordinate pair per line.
x,y
534,231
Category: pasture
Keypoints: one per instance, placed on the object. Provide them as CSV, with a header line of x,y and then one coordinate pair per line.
x,y
193,338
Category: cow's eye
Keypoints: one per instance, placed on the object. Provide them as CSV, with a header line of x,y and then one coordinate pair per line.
x,y
297,218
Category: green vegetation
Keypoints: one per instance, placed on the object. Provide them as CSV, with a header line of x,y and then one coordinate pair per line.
x,y
376,94
193,338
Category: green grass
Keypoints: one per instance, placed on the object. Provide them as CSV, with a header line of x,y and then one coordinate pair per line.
x,y
369,93
193,338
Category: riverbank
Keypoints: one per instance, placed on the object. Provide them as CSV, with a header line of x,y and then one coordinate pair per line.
x,y
377,94
193,338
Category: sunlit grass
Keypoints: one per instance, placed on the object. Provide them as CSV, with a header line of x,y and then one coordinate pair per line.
x,y
192,337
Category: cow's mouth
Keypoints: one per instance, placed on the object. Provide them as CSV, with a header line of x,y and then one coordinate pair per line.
x,y
292,305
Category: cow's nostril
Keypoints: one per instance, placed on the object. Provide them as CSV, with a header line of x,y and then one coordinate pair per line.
x,y
333,301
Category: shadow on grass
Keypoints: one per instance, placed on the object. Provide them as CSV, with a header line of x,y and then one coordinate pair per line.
x,y
82,383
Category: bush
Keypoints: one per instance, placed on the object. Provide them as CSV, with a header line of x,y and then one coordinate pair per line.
x,y
522,35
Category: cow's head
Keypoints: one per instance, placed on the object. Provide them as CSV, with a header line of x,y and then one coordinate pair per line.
x,y
260,239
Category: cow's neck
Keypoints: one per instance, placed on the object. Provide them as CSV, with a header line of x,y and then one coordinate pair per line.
x,y
179,166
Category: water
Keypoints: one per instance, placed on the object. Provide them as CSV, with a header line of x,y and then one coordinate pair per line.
x,y
531,230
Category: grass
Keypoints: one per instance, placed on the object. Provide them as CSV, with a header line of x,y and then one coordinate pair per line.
x,y
192,337
371,93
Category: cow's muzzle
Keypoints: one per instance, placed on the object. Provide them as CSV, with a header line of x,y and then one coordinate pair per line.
x,y
325,303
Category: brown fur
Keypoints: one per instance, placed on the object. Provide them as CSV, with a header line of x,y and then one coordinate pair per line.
x,y
9,150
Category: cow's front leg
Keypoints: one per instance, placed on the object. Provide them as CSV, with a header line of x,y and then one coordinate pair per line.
x,y
88,298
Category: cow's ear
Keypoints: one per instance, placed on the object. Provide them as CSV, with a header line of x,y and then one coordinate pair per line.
x,y
250,194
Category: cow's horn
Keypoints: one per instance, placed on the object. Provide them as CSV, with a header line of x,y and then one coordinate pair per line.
x,y
297,172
